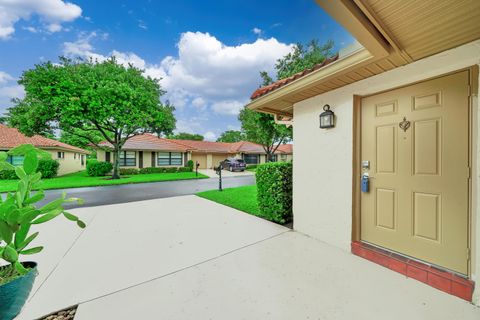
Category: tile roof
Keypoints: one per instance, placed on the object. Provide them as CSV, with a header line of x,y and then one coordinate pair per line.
x,y
11,137
149,142
154,143
285,148
283,82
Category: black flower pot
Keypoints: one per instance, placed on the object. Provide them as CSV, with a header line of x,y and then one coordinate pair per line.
x,y
14,294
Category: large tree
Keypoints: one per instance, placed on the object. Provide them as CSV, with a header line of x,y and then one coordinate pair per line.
x,y
262,128
231,136
87,98
186,136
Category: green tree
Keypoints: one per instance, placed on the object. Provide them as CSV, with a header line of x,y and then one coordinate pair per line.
x,y
231,136
80,97
186,136
303,57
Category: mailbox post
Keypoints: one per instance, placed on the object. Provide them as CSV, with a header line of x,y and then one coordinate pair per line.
x,y
196,168
219,173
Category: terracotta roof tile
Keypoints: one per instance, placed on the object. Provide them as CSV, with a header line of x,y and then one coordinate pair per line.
x,y
11,137
149,142
285,148
152,142
280,83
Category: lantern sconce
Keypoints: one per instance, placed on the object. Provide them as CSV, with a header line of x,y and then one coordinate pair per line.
x,y
327,118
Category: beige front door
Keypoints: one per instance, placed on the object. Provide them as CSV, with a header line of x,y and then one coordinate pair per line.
x,y
416,140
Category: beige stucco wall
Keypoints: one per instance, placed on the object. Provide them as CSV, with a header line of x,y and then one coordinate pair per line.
x,y
322,199
71,163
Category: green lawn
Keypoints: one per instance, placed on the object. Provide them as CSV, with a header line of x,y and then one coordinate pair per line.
x,y
81,179
241,198
251,169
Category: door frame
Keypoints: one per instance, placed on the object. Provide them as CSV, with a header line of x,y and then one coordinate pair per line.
x,y
473,72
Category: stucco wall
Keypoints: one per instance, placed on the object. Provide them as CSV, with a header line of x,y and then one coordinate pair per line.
x,y
322,181
71,163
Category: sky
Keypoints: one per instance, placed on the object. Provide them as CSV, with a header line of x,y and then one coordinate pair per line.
x,y
207,54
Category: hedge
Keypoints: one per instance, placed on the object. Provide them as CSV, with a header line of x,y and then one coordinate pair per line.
x,y
274,195
98,168
164,170
128,171
48,168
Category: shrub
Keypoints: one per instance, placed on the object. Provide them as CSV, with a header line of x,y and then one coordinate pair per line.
x,y
190,165
151,170
128,171
98,168
48,168
274,183
184,169
8,175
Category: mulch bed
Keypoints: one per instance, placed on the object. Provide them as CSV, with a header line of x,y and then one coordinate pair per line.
x,y
67,314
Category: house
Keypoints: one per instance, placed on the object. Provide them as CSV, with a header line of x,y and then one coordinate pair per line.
x,y
148,150
71,159
396,180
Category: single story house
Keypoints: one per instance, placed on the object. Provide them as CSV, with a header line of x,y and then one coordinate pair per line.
x,y
148,150
71,159
396,175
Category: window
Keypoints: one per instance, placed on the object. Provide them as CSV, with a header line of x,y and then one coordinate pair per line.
x,y
273,158
15,160
283,157
250,158
75,156
169,159
128,159
60,155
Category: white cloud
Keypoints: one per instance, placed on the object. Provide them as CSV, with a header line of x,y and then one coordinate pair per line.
x,y
8,90
231,107
207,75
51,12
257,31
209,136
5,77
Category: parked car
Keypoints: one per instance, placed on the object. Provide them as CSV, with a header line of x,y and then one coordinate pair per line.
x,y
233,164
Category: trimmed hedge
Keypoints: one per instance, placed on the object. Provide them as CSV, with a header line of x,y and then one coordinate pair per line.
x,y
164,170
128,171
274,195
48,168
98,168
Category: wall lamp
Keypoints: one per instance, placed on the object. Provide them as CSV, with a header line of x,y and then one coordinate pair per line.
x,y
327,118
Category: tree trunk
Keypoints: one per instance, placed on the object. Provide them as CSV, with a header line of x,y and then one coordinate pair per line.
x,y
116,163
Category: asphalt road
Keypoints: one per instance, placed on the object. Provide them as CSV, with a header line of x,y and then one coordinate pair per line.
x,y
96,196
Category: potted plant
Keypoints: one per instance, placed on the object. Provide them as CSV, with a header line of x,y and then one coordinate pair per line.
x,y
18,213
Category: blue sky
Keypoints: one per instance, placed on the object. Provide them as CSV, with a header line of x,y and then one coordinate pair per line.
x,y
208,53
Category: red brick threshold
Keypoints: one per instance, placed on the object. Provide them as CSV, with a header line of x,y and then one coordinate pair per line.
x,y
439,279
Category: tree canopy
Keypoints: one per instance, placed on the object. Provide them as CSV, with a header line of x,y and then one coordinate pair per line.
x,y
186,136
88,99
231,136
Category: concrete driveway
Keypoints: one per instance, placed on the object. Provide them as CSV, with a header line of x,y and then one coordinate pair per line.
x,y
189,258
226,174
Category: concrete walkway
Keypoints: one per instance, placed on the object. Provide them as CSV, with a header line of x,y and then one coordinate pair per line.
x,y
189,258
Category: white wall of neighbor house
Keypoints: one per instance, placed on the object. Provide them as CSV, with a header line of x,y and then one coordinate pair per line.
x,y
322,181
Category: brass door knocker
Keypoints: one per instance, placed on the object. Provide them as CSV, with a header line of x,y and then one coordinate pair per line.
x,y
404,125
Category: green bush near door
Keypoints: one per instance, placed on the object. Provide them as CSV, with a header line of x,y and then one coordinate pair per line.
x,y
274,191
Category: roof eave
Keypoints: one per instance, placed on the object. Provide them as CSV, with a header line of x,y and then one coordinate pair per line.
x,y
340,66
